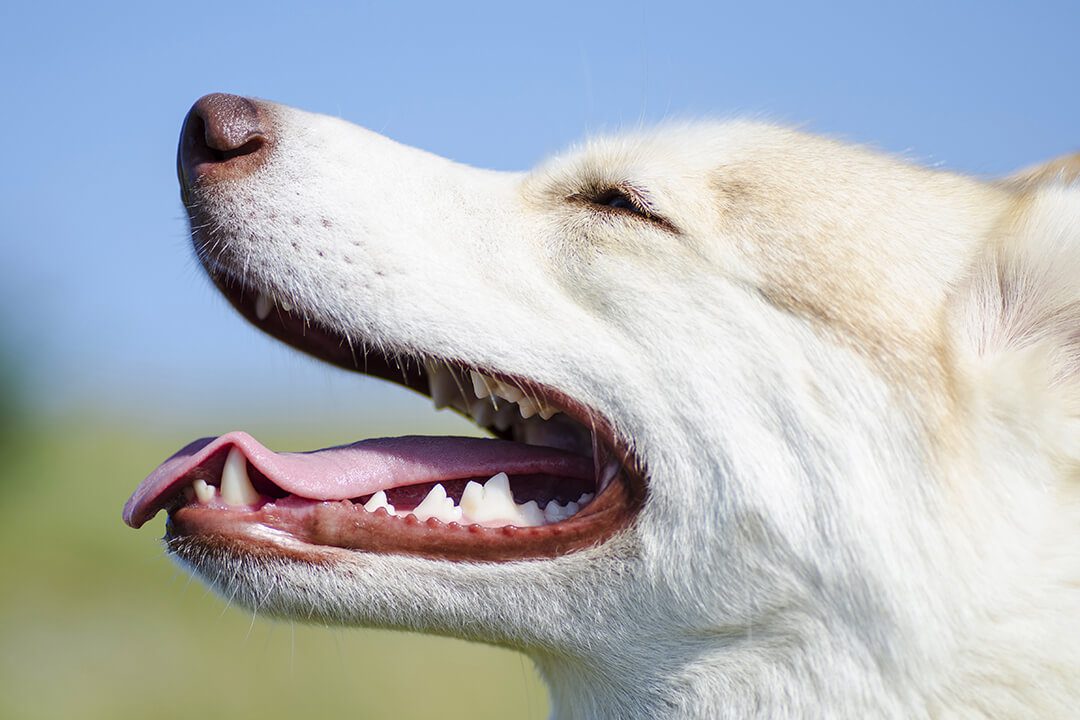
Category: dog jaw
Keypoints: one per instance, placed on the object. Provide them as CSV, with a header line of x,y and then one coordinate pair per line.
x,y
778,352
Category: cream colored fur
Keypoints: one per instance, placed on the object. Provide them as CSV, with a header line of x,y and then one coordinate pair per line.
x,y
854,383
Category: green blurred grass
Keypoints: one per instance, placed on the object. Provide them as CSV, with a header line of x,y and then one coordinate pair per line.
x,y
95,622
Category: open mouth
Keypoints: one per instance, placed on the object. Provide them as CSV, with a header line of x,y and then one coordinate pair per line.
x,y
553,479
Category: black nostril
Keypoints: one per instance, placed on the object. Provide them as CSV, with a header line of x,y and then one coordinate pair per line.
x,y
223,137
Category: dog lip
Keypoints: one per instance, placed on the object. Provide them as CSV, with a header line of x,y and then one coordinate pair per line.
x,y
312,530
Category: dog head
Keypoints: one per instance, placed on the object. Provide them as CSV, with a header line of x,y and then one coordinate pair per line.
x,y
827,402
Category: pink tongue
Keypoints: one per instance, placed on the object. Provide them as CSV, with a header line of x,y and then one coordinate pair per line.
x,y
351,471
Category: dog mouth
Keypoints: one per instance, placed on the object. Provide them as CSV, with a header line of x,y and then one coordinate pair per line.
x,y
554,478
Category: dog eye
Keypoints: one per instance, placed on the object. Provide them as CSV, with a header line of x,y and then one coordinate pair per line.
x,y
619,199
624,198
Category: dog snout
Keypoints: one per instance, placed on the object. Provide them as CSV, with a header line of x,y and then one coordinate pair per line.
x,y
224,137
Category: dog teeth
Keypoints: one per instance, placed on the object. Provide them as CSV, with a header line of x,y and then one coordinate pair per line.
x,y
611,469
437,505
530,515
527,407
491,504
444,387
508,392
204,491
472,499
480,384
236,487
378,500
449,388
263,306
554,512
495,506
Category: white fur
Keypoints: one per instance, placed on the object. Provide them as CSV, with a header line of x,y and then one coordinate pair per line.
x,y
863,472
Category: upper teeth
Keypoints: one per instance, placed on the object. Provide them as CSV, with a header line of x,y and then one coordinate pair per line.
x,y
448,389
264,305
494,403
442,385
480,384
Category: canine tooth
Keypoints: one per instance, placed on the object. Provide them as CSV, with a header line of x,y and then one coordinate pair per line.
x,y
236,487
508,392
610,471
480,384
204,491
437,505
263,306
378,500
529,515
527,407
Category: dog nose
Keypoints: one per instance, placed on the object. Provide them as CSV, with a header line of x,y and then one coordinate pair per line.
x,y
224,137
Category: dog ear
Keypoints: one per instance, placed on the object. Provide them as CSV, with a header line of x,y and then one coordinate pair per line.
x,y
1016,317
1064,169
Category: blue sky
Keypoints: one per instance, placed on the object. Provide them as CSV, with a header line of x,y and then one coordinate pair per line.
x,y
102,302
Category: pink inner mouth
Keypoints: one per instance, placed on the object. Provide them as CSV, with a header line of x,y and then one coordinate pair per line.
x,y
353,471
558,479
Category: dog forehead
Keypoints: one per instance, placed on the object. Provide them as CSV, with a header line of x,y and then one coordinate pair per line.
x,y
858,241
683,152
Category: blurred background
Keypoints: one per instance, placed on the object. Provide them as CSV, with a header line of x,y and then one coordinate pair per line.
x,y
115,351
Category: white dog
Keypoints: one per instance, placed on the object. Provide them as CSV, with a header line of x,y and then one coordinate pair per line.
x,y
789,428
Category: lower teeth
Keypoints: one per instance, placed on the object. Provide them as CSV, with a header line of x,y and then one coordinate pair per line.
x,y
490,504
